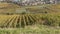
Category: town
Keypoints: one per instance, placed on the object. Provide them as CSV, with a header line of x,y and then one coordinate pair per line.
x,y
32,2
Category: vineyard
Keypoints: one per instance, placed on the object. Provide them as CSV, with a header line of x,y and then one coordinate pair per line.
x,y
47,15
13,21
44,19
17,21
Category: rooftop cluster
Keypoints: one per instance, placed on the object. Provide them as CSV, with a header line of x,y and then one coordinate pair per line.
x,y
32,2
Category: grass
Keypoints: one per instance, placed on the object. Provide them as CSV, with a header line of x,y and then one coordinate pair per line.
x,y
40,30
9,31
34,29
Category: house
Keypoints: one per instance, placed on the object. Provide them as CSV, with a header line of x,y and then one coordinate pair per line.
x,y
32,2
2,0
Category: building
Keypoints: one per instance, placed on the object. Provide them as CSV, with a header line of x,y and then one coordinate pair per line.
x,y
32,2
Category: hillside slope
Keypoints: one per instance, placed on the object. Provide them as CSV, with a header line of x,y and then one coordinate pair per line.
x,y
51,8
14,8
8,7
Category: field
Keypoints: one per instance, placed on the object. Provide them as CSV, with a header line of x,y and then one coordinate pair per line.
x,y
42,19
